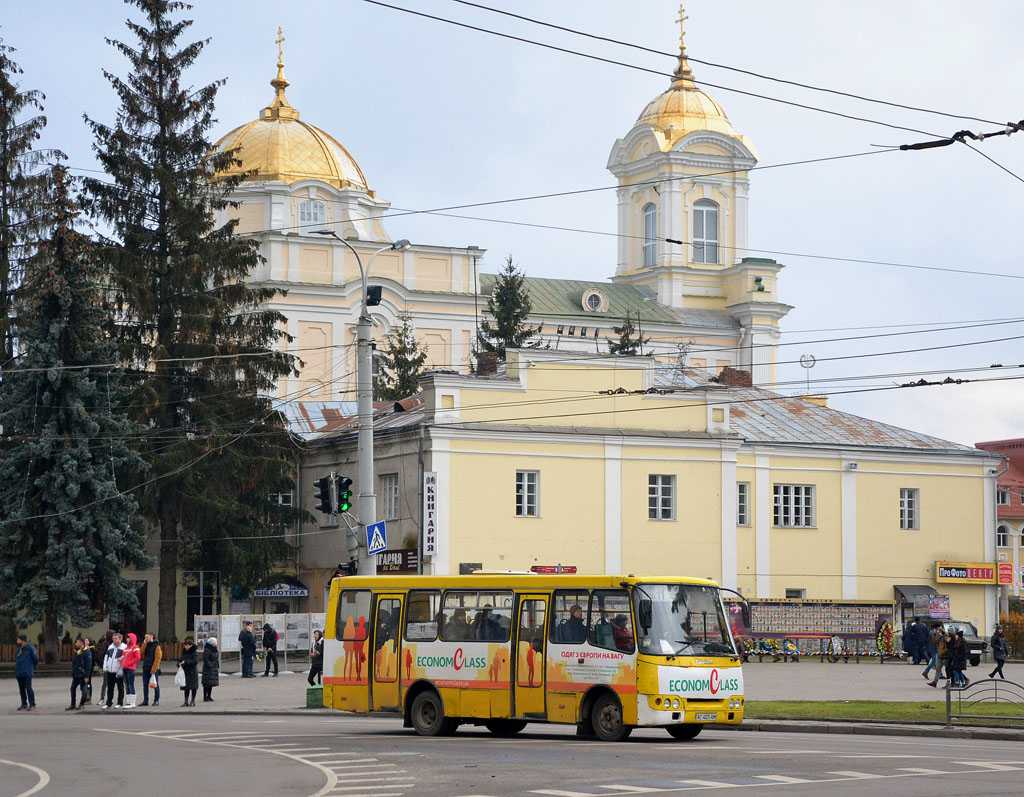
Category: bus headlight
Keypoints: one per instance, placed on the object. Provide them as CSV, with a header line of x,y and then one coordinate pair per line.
x,y
675,703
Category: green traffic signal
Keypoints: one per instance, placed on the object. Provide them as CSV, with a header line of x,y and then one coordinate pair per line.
x,y
344,494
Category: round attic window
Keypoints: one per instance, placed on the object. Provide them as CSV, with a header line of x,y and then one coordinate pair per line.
x,y
594,301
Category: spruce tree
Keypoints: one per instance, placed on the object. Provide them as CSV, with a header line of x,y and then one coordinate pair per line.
x,y
186,317
630,342
23,187
401,363
67,528
509,305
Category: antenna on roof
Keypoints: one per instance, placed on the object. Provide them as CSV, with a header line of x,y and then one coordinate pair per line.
x,y
808,361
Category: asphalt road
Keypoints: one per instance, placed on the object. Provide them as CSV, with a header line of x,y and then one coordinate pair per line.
x,y
94,753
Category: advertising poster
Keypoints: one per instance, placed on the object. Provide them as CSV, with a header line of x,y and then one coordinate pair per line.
x,y
810,619
230,626
298,632
318,622
938,607
207,625
922,605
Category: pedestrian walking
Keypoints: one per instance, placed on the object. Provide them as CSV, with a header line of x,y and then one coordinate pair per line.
x,y
81,673
25,661
917,636
189,663
316,659
129,661
211,668
270,645
98,658
958,660
247,645
1000,651
942,658
113,673
934,635
152,655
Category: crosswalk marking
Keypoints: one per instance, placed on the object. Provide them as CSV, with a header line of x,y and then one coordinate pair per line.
x,y
991,765
852,773
923,771
557,793
783,779
637,789
711,784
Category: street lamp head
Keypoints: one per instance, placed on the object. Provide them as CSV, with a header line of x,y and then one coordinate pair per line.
x,y
325,232
401,245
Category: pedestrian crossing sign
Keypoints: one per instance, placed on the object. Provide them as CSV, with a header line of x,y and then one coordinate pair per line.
x,y
376,537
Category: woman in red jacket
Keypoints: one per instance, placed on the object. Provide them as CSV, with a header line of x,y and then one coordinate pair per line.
x,y
131,657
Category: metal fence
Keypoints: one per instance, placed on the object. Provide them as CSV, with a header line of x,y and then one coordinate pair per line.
x,y
965,703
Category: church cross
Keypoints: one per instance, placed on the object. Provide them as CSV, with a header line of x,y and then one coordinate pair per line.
x,y
280,40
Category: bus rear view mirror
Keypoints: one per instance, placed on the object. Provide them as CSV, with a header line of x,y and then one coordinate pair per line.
x,y
745,610
644,613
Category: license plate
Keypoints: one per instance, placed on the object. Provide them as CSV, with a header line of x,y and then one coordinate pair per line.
x,y
705,717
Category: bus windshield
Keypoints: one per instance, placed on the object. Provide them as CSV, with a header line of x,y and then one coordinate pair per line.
x,y
686,620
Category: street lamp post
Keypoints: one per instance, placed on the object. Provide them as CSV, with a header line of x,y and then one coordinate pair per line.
x,y
366,505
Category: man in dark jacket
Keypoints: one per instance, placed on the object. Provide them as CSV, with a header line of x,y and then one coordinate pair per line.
x,y
958,660
152,655
25,661
81,673
247,645
270,645
98,656
918,636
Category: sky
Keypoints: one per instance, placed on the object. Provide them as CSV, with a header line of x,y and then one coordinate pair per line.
x,y
437,115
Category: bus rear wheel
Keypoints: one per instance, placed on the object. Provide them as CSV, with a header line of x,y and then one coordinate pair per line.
x,y
684,731
505,727
428,716
607,720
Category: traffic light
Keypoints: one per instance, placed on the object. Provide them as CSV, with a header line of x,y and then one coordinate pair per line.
x,y
344,493
322,494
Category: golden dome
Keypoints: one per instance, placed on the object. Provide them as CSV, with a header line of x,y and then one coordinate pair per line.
x,y
684,108
280,147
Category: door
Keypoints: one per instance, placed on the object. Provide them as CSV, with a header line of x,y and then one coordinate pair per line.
x,y
529,660
386,648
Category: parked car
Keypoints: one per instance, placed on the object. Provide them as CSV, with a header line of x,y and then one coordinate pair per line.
x,y
976,646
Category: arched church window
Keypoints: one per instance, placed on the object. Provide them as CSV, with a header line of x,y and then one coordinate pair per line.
x,y
650,234
705,231
1003,537
312,212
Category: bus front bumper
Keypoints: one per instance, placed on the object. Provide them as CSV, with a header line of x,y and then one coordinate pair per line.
x,y
657,711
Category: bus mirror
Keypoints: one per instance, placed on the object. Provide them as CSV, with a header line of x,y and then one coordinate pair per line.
x,y
644,613
745,611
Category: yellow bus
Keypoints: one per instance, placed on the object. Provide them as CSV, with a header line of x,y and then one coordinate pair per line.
x,y
606,653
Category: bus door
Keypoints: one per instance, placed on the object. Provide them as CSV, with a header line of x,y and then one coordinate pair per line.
x,y
383,666
528,661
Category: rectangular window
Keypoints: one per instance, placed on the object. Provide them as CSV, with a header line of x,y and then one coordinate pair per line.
x,y
353,609
610,626
421,616
661,493
385,639
794,505
743,504
795,594
1002,537
527,493
910,500
481,616
389,495
531,631
1003,497
569,617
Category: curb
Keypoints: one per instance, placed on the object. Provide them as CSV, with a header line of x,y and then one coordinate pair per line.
x,y
871,729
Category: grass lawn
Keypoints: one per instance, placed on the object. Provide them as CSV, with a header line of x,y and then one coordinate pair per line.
x,y
923,711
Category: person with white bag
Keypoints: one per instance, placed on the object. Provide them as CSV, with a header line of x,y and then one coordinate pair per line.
x,y
187,677
152,655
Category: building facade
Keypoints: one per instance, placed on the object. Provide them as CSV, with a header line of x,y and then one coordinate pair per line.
x,y
1010,506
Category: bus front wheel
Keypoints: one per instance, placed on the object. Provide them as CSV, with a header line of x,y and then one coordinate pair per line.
x,y
428,716
684,731
607,720
505,727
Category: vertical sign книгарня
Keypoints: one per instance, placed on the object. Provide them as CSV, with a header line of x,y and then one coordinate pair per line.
x,y
429,514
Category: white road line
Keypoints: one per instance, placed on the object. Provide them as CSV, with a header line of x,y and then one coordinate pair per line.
x,y
42,783
885,755
557,793
852,773
633,789
357,788
714,784
783,779
783,752
922,771
991,765
406,779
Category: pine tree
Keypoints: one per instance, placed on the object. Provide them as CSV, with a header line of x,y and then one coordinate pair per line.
x,y
67,529
23,187
401,363
509,305
630,342
186,317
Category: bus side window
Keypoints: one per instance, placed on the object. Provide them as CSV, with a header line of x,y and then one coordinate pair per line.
x,y
568,621
610,624
455,625
421,615
353,611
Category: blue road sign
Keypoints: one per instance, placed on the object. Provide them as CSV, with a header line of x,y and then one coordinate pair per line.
x,y
376,537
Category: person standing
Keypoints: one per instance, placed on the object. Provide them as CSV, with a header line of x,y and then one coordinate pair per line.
x,y
941,657
934,634
1000,651
316,659
918,635
99,657
189,662
81,673
152,655
270,645
211,668
958,660
92,657
25,661
247,645
129,661
113,672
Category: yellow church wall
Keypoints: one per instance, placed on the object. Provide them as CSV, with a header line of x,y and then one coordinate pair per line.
x,y
438,343
489,531
285,251
315,349
387,264
466,348
433,272
316,264
251,217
